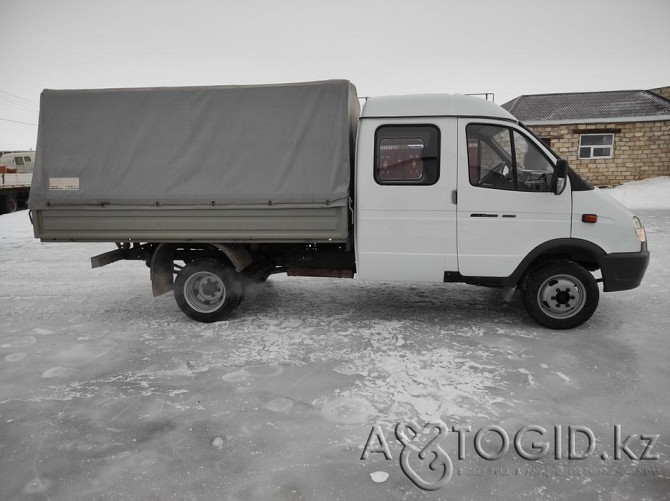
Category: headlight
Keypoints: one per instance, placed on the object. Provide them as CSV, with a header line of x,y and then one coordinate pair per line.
x,y
639,229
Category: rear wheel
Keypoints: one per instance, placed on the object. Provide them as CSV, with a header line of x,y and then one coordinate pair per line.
x,y
207,291
9,204
561,295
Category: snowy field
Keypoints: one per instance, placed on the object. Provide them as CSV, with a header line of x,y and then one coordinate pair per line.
x,y
108,393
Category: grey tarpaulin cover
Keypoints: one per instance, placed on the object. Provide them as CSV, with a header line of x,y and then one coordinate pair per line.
x,y
285,144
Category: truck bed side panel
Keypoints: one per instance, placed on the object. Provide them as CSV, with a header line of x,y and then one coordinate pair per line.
x,y
15,180
193,224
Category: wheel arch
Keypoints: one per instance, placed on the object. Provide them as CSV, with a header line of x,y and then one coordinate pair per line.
x,y
582,252
238,254
163,257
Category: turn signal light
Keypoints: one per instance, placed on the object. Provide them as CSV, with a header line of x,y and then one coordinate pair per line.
x,y
589,218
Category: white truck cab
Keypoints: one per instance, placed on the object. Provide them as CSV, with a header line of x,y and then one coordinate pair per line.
x,y
17,162
453,188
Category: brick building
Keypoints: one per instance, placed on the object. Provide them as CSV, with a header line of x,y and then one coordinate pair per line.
x,y
608,137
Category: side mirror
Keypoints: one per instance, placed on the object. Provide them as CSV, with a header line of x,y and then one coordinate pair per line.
x,y
560,176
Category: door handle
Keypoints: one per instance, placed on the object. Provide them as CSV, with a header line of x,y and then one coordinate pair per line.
x,y
479,214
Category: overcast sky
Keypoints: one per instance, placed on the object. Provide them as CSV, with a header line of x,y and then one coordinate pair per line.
x,y
506,47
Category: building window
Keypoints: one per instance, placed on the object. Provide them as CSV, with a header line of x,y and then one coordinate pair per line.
x,y
546,141
407,154
18,160
596,145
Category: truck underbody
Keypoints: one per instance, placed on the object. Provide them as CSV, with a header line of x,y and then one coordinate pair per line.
x,y
255,261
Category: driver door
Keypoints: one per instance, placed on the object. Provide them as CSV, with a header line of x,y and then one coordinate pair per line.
x,y
505,203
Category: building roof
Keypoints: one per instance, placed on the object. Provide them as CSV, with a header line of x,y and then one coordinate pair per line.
x,y
431,105
584,107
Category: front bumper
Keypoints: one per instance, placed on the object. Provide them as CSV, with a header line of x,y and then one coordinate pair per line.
x,y
624,270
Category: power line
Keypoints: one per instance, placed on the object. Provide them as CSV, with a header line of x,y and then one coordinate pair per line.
x,y
18,106
18,97
16,121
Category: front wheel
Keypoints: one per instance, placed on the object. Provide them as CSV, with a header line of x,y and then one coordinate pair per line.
x,y
207,291
561,295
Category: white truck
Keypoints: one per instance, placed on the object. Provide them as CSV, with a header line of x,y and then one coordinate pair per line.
x,y
16,172
215,187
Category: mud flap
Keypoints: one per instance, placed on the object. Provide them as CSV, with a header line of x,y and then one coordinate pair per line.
x,y
508,293
162,266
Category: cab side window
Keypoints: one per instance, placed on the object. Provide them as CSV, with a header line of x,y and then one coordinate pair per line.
x,y
407,155
534,170
490,157
504,159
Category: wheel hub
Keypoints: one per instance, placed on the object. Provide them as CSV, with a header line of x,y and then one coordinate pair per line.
x,y
204,292
209,288
561,296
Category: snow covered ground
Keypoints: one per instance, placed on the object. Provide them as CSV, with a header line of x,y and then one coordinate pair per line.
x,y
651,193
109,393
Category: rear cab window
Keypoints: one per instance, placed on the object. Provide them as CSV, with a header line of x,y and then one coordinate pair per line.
x,y
407,155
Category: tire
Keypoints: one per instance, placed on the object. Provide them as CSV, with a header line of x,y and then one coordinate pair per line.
x,y
9,204
207,291
560,295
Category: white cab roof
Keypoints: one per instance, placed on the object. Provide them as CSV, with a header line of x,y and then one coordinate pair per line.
x,y
431,105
